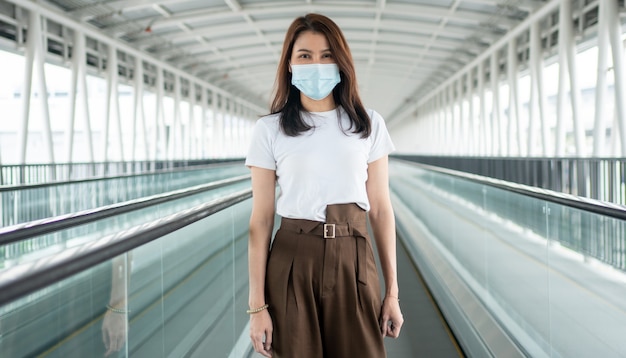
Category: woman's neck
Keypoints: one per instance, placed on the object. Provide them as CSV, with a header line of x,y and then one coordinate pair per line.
x,y
324,105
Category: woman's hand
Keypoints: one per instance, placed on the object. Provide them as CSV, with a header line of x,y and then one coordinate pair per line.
x,y
113,332
261,329
391,319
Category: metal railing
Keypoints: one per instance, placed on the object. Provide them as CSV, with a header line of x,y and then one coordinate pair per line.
x,y
602,179
23,174
54,270
599,236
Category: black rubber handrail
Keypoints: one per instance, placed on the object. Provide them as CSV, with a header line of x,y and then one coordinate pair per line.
x,y
27,278
114,177
31,229
591,205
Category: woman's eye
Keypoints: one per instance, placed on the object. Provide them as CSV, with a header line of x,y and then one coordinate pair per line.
x,y
304,55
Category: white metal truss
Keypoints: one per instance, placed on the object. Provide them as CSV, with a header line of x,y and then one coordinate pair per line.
x,y
53,37
412,58
236,44
552,34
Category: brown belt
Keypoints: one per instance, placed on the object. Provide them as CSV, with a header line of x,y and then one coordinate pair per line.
x,y
325,230
331,231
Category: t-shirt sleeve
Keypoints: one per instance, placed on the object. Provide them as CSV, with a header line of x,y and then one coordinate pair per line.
x,y
260,152
381,141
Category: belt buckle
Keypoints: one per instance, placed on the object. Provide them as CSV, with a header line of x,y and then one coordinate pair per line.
x,y
327,228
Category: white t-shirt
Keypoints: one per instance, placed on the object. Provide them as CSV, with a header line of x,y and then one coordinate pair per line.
x,y
322,166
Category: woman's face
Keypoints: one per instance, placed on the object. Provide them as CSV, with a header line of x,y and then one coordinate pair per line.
x,y
311,47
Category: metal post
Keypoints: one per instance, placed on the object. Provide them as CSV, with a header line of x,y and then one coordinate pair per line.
x,y
204,123
40,56
483,135
599,127
177,151
566,39
111,71
29,59
80,52
138,108
470,146
161,142
537,103
213,122
437,124
496,145
219,130
618,67
513,99
450,123
77,58
192,138
460,129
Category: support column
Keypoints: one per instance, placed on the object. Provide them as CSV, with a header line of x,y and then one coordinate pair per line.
x,y
439,123
599,127
161,146
617,48
483,137
192,133
470,145
496,146
213,121
112,104
177,150
204,122
35,55
567,61
449,93
460,129
78,93
138,112
514,121
537,99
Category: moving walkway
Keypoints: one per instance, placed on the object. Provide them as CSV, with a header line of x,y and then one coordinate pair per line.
x,y
500,279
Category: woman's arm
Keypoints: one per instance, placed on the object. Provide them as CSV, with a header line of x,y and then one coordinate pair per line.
x,y
261,227
384,227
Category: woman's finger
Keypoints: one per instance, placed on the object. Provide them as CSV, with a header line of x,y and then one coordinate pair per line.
x,y
268,341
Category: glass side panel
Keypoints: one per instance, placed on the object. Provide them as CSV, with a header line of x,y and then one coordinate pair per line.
x,y
551,275
24,205
36,247
186,292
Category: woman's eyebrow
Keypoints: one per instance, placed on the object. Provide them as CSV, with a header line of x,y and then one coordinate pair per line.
x,y
307,50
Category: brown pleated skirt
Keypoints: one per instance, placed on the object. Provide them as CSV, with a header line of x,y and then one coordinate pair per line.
x,y
322,287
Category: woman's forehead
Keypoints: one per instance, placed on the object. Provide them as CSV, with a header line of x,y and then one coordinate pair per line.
x,y
315,40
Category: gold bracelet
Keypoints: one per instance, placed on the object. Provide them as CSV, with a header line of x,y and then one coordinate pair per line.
x,y
257,310
392,297
117,310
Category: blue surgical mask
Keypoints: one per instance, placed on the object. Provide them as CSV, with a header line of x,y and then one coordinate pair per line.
x,y
315,80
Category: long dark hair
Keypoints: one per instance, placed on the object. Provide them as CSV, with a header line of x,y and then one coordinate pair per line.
x,y
287,97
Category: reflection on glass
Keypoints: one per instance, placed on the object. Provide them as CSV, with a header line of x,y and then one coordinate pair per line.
x,y
552,276
182,294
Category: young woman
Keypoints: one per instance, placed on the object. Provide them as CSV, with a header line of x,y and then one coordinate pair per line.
x,y
316,293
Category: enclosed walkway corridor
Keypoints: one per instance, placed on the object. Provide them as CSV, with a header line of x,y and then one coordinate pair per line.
x,y
125,124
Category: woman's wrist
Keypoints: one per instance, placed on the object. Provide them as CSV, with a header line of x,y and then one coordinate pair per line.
x,y
256,303
391,296
117,304
117,310
254,310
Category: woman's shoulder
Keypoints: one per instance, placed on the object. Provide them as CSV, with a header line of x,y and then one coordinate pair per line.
x,y
271,121
375,117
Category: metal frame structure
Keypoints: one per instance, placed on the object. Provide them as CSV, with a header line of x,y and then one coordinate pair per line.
x,y
552,33
53,37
